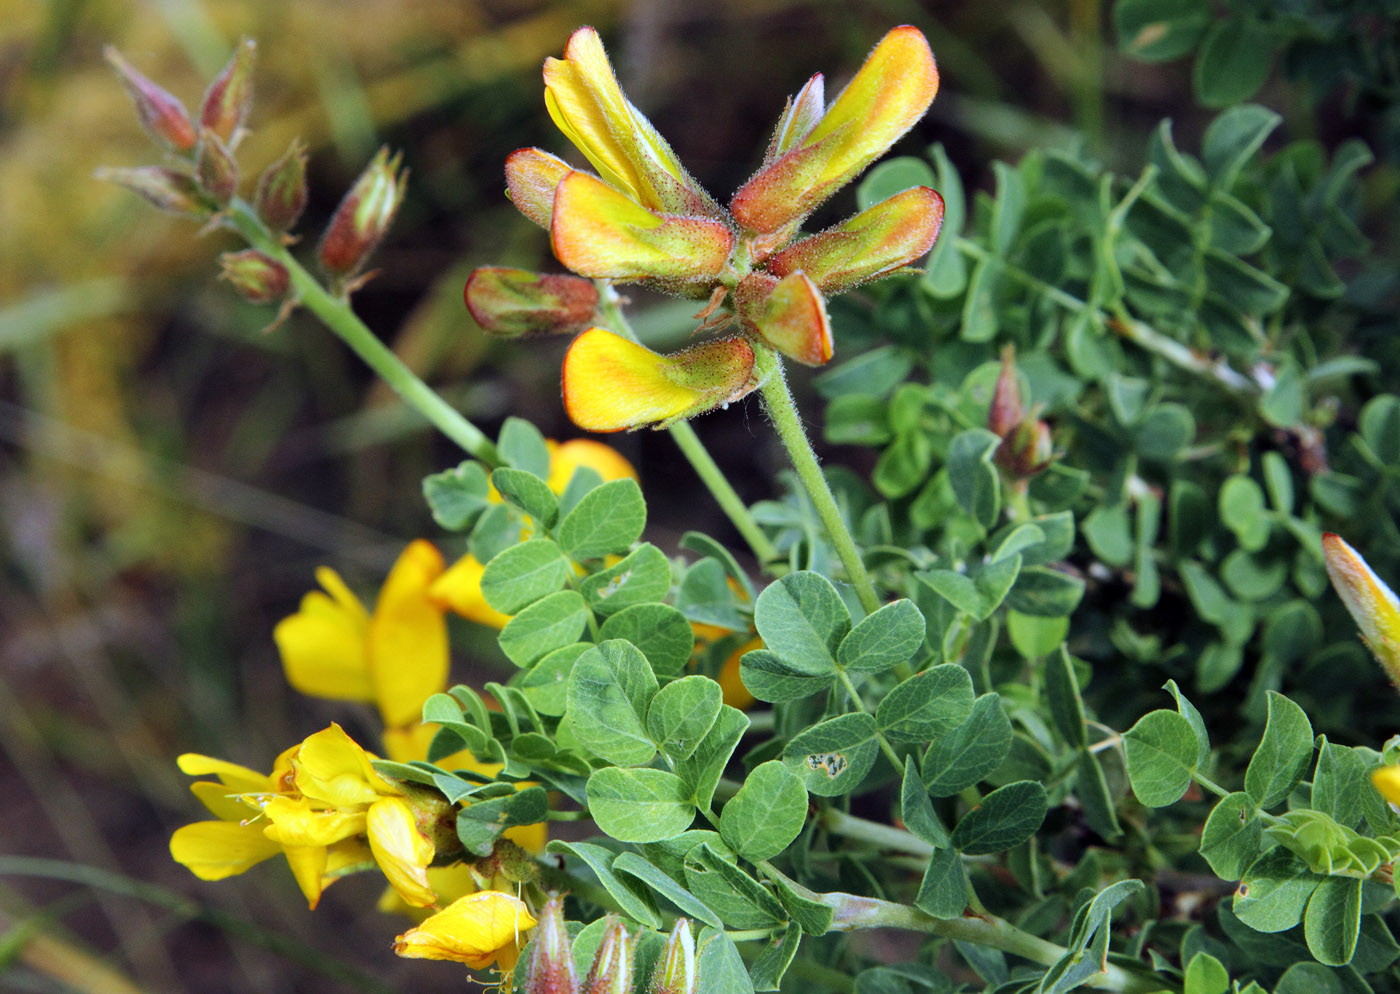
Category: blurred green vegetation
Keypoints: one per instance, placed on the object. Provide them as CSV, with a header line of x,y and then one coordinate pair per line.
x,y
170,473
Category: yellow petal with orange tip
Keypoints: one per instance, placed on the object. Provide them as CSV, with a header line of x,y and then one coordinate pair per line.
x,y
874,243
567,457
888,95
1373,605
402,852
459,589
213,850
586,103
531,176
601,233
612,384
478,930
407,638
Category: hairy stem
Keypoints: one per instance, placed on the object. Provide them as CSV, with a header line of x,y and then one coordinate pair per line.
x,y
782,410
336,314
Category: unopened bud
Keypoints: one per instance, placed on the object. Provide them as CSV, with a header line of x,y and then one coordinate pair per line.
x,y
215,168
1027,450
230,95
675,970
1007,410
550,969
261,279
514,863
162,114
612,965
169,189
511,302
364,215
282,195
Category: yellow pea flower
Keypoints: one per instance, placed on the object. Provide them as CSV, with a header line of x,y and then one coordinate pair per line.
x,y
479,930
401,850
396,657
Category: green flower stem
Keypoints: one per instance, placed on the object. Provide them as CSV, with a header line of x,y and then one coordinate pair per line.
x,y
782,410
610,307
853,912
876,833
335,312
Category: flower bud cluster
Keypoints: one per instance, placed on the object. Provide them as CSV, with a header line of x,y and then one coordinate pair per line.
x,y
1026,447
201,181
549,968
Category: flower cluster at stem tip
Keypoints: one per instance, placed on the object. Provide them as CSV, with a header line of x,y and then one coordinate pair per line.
x,y
642,218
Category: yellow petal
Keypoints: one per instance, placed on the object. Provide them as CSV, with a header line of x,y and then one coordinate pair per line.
x,y
477,930
611,384
731,685
531,838
459,589
1387,781
598,232
888,95
323,645
308,865
584,100
294,822
408,637
402,852
531,176
223,803
213,850
1373,605
566,457
448,883
238,779
332,769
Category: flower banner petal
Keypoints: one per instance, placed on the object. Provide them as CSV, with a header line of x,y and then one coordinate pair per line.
x,y
333,769
408,636
402,852
323,645
611,384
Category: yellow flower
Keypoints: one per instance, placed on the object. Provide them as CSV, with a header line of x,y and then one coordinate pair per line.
x,y
479,930
1387,781
395,658
323,807
1373,605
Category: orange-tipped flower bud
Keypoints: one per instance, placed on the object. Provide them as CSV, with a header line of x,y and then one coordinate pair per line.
x,y
531,177
364,215
162,114
169,189
611,384
230,95
550,968
1373,605
789,314
511,302
215,168
282,193
675,971
598,232
612,964
1026,447
261,279
874,243
890,93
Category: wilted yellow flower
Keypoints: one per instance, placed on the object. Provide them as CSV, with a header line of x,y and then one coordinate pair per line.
x,y
479,930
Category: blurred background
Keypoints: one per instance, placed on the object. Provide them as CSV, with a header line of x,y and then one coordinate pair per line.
x,y
171,473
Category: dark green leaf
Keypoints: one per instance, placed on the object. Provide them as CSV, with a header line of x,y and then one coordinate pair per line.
x,y
833,757
1006,817
639,805
926,706
523,447
607,520
600,860
1233,62
1160,30
527,492
548,624
457,496
803,619
767,813
968,753
943,891
886,638
1161,754
643,577
640,869
1283,754
1232,837
610,689
523,574
771,679
916,810
1333,920
662,633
